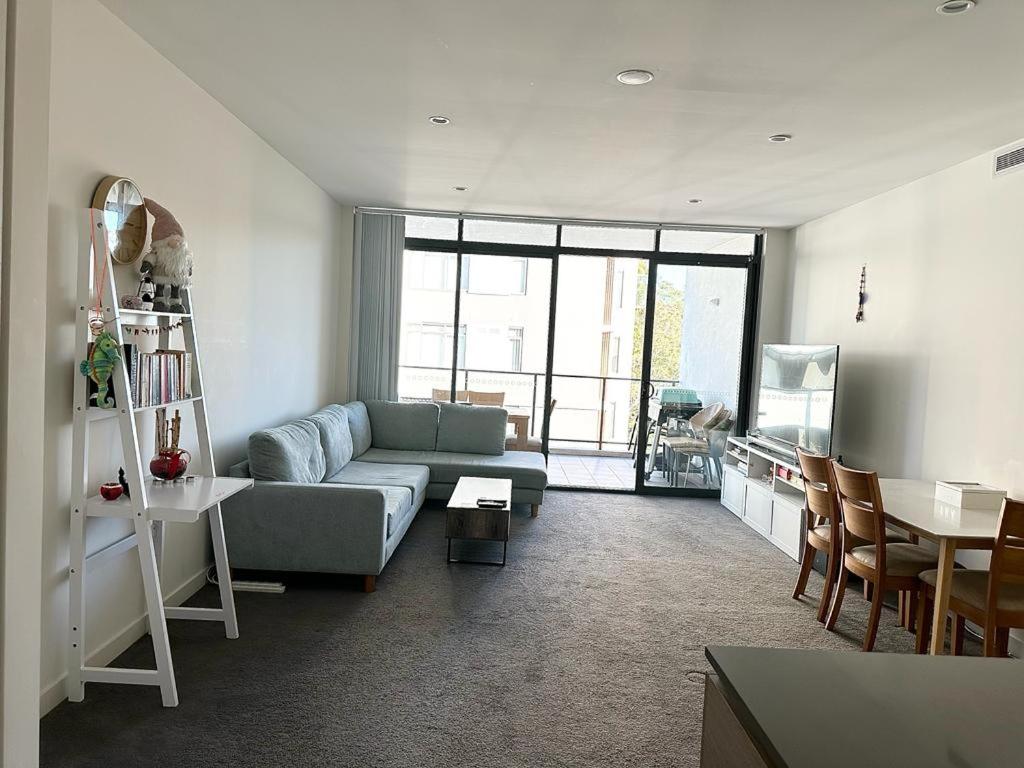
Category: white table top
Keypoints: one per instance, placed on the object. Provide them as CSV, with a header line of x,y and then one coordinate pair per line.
x,y
469,489
913,502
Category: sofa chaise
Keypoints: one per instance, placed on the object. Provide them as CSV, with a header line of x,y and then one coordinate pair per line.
x,y
335,492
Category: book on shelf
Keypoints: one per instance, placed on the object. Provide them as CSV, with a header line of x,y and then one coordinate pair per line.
x,y
158,378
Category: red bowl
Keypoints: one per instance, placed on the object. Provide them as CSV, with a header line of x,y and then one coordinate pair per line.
x,y
111,491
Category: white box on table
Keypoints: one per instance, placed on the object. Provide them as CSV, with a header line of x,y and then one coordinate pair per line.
x,y
969,495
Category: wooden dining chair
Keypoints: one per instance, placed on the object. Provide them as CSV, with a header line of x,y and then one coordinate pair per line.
x,y
824,532
992,599
485,398
886,566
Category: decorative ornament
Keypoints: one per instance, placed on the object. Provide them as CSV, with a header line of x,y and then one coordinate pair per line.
x,y
111,491
169,259
862,297
131,301
103,355
124,217
153,331
124,482
147,291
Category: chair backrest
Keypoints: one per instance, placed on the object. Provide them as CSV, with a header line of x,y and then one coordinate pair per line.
x,y
1008,554
718,435
860,507
819,487
704,415
485,398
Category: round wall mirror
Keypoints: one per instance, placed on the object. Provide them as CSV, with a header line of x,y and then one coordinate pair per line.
x,y
124,214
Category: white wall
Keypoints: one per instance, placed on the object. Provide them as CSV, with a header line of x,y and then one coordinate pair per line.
x,y
930,380
273,261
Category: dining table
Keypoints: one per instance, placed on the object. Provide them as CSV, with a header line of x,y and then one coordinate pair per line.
x,y
520,423
912,506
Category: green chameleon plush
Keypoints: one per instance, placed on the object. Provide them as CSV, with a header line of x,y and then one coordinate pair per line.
x,y
100,366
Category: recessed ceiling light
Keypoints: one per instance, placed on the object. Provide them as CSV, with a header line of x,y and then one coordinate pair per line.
x,y
695,201
439,120
634,77
953,7
780,138
460,189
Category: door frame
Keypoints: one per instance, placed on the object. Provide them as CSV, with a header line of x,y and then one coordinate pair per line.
x,y
751,263
748,339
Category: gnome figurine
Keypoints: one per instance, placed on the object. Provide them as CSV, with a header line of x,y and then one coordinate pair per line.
x,y
168,262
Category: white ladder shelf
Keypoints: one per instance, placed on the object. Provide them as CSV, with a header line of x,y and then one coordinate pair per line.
x,y
152,503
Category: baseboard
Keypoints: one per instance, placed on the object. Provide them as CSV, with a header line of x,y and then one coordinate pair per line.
x,y
54,693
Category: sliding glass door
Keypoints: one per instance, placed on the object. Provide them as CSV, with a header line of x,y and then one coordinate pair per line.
x,y
601,341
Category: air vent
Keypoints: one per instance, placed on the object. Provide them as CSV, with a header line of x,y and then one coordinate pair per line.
x,y
1012,159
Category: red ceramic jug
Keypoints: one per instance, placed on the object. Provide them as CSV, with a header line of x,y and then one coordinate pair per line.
x,y
170,463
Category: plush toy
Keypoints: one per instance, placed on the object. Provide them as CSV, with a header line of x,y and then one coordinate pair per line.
x,y
169,259
103,356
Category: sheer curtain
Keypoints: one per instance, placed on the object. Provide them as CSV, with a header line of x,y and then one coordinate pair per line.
x,y
376,306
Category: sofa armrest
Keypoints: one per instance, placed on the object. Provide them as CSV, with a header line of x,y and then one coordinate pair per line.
x,y
277,526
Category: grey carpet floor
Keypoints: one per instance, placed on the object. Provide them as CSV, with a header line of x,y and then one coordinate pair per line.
x,y
585,650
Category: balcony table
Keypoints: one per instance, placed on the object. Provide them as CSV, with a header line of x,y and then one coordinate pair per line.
x,y
911,505
521,423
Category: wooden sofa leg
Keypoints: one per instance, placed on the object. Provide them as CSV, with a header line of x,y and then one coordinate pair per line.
x,y
369,584
534,510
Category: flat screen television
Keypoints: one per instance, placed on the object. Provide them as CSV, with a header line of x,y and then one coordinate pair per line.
x,y
796,399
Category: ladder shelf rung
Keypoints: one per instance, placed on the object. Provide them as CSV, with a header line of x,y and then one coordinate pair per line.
x,y
120,675
173,502
98,414
194,614
132,316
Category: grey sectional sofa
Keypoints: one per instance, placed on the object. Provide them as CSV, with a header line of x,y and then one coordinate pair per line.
x,y
336,492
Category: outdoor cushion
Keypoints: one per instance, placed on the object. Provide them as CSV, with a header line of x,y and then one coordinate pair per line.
x,y
290,453
359,427
403,426
523,468
900,559
409,476
472,429
335,439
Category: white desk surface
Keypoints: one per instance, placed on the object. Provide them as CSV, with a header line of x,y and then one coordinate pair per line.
x,y
913,502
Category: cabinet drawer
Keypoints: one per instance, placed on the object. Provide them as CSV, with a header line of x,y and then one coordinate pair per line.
x,y
757,508
787,527
734,489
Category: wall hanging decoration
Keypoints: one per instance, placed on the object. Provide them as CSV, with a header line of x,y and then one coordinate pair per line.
x,y
169,259
124,214
861,295
154,330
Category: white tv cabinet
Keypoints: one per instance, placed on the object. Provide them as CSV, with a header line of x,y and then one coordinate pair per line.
x,y
756,491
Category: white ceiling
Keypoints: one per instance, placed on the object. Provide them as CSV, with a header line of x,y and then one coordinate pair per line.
x,y
876,92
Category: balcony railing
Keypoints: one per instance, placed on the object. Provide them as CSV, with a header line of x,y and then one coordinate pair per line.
x,y
587,414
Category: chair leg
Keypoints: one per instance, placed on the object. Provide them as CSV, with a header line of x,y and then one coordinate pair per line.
x,y
837,601
924,622
912,600
805,570
1003,642
901,608
874,617
867,590
827,589
956,639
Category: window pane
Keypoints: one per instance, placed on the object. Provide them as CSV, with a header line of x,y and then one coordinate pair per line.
x,y
520,232
506,331
433,227
632,239
692,241
428,312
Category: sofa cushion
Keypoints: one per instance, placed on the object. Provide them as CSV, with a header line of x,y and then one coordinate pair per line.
x,y
359,427
525,469
472,429
290,453
411,476
335,439
403,426
398,505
